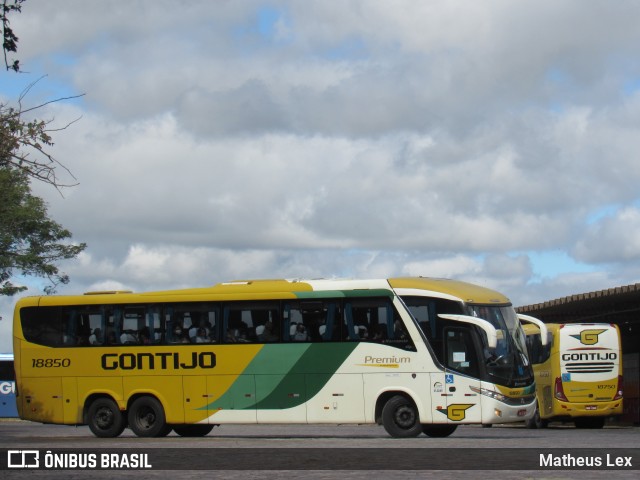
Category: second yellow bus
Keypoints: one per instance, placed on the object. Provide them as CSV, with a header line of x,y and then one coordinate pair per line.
x,y
578,373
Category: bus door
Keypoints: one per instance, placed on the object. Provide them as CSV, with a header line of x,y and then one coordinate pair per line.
x,y
453,390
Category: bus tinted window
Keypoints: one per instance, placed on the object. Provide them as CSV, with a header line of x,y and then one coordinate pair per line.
x,y
538,353
356,320
255,322
375,320
41,325
425,310
460,351
309,321
189,323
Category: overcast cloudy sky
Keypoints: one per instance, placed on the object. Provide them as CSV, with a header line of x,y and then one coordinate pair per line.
x,y
495,142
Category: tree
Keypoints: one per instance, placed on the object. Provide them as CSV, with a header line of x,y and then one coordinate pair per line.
x,y
30,242
9,39
24,143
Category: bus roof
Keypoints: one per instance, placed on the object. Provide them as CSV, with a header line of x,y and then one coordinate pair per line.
x,y
467,292
283,288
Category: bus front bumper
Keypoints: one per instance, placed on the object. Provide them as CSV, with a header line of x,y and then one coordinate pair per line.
x,y
498,412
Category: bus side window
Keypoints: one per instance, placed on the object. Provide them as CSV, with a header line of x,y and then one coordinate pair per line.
x,y
69,331
41,325
132,325
249,322
376,320
350,327
267,323
537,352
308,321
460,351
235,330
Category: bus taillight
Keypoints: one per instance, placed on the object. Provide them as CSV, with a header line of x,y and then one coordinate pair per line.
x,y
559,391
618,395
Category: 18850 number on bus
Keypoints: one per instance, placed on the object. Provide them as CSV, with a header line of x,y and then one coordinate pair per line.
x,y
50,362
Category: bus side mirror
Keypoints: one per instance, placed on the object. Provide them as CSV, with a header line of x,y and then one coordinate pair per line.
x,y
490,330
539,323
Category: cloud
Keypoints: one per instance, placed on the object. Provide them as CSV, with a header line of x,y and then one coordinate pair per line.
x,y
376,139
613,239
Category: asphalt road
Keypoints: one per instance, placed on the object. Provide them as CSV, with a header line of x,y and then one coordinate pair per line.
x,y
359,452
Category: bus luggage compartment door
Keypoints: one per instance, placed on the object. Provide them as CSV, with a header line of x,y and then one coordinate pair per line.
x,y
43,401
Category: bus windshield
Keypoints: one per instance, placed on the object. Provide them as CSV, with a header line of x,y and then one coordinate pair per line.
x,y
511,347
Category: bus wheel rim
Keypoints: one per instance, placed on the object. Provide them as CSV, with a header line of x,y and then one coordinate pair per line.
x,y
405,417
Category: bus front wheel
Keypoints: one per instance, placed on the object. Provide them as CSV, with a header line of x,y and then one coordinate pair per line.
x,y
196,430
400,418
147,419
105,419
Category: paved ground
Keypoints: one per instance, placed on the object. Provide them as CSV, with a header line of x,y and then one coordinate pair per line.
x,y
288,448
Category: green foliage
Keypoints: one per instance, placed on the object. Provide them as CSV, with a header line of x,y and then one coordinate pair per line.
x,y
9,39
23,145
29,241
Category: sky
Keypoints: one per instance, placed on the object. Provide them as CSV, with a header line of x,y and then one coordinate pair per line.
x,y
494,142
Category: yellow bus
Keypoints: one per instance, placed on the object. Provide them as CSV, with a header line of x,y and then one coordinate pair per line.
x,y
578,373
274,351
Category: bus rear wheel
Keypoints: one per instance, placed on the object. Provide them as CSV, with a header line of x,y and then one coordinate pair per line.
x,y
196,430
400,418
147,419
440,431
105,418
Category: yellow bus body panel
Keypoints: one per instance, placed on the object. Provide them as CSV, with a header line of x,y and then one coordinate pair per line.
x,y
466,292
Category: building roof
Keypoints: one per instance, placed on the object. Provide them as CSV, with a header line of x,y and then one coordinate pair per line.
x,y
619,303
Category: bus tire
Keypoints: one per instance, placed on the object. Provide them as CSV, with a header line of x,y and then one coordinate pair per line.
x,y
196,430
440,431
147,419
535,421
400,417
105,419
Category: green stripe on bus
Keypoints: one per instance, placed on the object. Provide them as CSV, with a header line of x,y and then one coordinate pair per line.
x,y
285,376
320,294
307,377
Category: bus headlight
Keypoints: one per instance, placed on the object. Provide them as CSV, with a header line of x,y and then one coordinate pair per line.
x,y
490,393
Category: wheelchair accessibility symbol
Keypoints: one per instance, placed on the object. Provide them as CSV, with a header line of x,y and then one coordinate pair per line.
x,y
448,378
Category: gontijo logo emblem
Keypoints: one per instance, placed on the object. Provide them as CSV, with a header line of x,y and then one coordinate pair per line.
x,y
456,411
588,337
